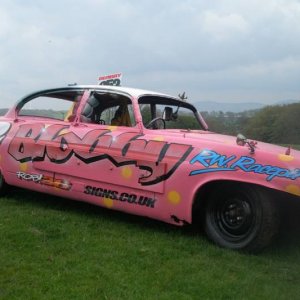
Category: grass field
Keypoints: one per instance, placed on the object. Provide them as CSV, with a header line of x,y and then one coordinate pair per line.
x,y
52,248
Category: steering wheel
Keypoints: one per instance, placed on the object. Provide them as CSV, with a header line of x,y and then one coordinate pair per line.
x,y
155,120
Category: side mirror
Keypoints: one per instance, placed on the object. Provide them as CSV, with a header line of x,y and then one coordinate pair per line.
x,y
241,140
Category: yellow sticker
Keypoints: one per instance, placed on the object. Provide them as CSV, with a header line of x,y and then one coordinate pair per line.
x,y
158,138
23,167
293,189
108,202
63,132
112,128
174,197
284,157
126,172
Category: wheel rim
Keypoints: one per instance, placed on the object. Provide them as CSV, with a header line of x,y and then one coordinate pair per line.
x,y
234,218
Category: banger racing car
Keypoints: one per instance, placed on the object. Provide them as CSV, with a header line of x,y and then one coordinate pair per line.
x,y
148,154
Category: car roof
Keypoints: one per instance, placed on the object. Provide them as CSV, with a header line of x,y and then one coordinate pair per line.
x,y
132,92
128,90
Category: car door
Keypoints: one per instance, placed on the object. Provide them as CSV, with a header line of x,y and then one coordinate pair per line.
x,y
39,118
106,147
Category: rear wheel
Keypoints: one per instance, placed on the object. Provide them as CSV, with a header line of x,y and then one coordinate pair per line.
x,y
3,185
241,217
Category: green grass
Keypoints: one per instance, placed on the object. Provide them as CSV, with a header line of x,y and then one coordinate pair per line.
x,y
52,248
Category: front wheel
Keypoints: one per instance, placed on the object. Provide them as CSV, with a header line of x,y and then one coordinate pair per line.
x,y
241,217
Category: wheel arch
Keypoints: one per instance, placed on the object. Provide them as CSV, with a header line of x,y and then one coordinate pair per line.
x,y
202,194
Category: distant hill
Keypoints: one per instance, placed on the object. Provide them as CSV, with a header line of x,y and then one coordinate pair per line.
x,y
210,106
286,102
3,111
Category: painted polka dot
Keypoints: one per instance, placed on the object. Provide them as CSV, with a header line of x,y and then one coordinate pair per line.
x,y
174,197
283,157
293,189
63,132
108,202
112,128
126,172
23,167
159,138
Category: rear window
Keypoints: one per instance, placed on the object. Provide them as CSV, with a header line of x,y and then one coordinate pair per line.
x,y
60,106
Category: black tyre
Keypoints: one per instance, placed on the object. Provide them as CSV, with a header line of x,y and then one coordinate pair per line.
x,y
3,185
241,217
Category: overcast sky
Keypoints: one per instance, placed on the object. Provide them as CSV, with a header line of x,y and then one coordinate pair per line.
x,y
225,50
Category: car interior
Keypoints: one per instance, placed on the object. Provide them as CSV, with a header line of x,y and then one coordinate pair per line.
x,y
108,109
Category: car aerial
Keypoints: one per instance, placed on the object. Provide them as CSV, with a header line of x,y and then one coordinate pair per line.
x,y
148,154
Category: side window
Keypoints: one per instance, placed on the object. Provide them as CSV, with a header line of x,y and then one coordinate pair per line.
x,y
146,113
121,115
185,118
108,109
60,106
165,113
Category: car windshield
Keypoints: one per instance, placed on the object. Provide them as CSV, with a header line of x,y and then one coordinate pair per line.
x,y
168,113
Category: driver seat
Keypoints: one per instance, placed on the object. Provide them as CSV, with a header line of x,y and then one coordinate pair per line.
x,y
89,113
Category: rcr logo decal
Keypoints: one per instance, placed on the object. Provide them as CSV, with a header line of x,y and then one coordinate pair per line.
x,y
45,180
33,142
29,177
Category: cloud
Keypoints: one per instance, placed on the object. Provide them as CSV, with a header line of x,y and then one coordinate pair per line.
x,y
211,49
4,23
222,27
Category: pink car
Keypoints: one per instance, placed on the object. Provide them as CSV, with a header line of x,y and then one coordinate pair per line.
x,y
147,154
